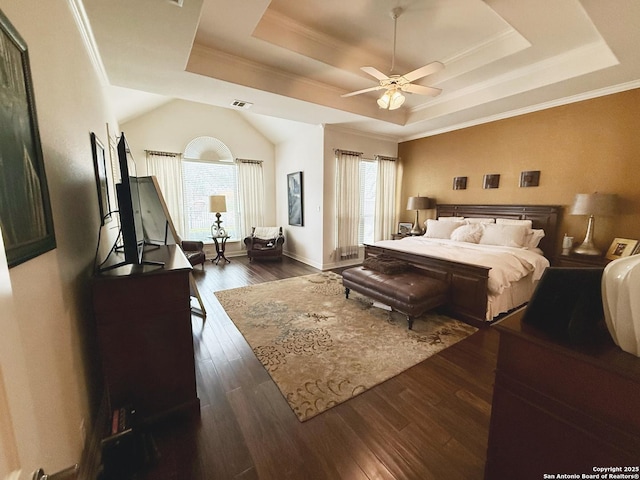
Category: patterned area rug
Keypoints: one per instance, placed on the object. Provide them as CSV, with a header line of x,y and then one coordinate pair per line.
x,y
322,349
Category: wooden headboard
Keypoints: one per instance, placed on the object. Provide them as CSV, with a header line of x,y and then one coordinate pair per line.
x,y
546,217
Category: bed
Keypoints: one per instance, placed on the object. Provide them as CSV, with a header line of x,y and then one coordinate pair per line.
x,y
485,281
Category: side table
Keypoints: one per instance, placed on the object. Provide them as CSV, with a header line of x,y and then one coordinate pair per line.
x,y
584,261
398,236
221,243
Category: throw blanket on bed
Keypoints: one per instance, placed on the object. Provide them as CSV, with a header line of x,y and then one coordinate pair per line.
x,y
508,264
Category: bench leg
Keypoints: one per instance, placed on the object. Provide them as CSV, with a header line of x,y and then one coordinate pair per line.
x,y
346,292
410,322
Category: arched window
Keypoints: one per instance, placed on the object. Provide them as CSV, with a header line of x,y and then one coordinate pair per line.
x,y
208,169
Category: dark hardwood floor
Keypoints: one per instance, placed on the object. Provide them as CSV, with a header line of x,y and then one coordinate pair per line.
x,y
430,422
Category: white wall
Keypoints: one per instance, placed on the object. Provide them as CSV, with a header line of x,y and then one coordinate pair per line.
x,y
49,396
302,153
346,140
170,127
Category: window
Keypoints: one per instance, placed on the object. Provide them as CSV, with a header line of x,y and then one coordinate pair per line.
x,y
368,175
200,180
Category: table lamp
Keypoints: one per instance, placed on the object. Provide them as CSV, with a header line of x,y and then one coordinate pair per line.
x,y
217,204
592,204
418,203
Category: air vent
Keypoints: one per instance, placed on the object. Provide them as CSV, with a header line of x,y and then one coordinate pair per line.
x,y
241,104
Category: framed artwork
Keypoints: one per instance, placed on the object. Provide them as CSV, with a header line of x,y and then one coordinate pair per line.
x,y
25,209
459,183
404,228
530,178
100,166
621,247
491,181
294,198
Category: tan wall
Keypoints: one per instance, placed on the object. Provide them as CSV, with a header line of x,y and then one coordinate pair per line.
x,y
579,148
47,357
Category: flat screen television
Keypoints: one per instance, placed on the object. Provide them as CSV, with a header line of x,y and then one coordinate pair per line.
x,y
129,207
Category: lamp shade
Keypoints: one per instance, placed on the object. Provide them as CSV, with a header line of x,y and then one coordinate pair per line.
x,y
594,204
217,203
418,203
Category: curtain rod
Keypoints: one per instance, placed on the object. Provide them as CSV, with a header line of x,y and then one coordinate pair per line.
x,y
390,159
337,151
162,154
246,160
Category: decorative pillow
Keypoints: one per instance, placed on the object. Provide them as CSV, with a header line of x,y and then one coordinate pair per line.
x,y
504,235
512,221
384,264
481,220
533,238
440,229
470,233
451,219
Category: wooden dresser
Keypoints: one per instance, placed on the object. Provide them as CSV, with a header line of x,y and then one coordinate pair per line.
x,y
561,409
143,321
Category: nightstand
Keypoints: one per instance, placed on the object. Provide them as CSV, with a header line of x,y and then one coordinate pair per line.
x,y
398,236
583,261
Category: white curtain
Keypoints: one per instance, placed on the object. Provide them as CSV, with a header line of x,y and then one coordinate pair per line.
x,y
384,223
167,168
347,204
251,195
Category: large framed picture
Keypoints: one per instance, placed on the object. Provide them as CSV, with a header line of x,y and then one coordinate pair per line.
x,y
100,166
294,198
25,209
621,247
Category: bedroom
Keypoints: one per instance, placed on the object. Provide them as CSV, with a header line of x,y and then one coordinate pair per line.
x,y
71,104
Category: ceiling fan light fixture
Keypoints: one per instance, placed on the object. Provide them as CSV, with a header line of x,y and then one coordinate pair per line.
x,y
391,100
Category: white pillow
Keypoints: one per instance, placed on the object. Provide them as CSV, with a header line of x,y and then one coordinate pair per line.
x,y
533,238
439,229
512,221
504,235
451,219
481,220
470,233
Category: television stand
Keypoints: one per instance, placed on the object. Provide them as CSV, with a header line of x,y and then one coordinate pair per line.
x,y
143,323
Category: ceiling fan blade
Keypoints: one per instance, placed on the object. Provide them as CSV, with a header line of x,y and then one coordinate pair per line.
x,y
374,72
429,69
370,89
421,90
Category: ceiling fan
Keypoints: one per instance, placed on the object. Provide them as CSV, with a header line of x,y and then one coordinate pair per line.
x,y
396,84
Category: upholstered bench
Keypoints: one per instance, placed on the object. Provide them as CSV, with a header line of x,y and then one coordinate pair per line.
x,y
409,292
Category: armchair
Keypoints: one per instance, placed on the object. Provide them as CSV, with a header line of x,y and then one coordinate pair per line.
x,y
265,242
194,251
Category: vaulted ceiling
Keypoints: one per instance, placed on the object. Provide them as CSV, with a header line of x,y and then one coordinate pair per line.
x,y
293,59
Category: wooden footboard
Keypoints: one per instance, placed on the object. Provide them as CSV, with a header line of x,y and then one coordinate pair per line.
x,y
468,284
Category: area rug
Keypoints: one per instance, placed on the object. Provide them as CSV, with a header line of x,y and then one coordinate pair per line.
x,y
322,349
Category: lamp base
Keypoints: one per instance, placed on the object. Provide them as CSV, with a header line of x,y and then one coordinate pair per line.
x,y
416,230
215,228
587,249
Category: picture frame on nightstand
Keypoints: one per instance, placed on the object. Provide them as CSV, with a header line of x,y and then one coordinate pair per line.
x,y
621,247
404,228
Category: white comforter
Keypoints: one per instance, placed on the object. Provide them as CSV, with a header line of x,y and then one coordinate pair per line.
x,y
508,264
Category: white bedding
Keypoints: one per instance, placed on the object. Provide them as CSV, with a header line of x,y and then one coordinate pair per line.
x,y
508,264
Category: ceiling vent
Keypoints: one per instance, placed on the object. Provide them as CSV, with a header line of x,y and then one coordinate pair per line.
x,y
241,104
